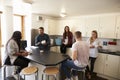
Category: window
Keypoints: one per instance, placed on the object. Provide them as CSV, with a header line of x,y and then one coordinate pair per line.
x,y
19,24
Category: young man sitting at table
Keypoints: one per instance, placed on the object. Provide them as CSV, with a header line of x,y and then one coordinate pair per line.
x,y
42,40
80,56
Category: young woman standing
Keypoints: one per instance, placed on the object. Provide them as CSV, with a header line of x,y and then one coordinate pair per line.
x,y
94,43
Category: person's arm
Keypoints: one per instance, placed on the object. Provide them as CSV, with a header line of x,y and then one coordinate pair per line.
x,y
13,50
47,40
70,41
74,55
37,43
74,52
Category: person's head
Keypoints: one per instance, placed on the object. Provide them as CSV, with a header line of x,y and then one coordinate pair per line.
x,y
41,30
66,29
94,34
78,35
16,35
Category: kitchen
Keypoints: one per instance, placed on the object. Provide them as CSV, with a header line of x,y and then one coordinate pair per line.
x,y
103,16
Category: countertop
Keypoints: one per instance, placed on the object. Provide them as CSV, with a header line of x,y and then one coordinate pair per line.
x,y
107,51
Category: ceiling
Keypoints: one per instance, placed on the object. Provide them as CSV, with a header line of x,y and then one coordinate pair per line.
x,y
75,7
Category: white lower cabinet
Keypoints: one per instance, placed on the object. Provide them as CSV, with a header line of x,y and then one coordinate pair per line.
x,y
119,69
108,65
100,63
111,65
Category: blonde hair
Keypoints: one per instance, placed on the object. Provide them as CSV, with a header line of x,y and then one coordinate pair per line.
x,y
91,39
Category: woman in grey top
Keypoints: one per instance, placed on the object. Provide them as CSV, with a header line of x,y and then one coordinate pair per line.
x,y
13,54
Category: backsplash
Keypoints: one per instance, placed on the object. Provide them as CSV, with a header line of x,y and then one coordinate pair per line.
x,y
105,43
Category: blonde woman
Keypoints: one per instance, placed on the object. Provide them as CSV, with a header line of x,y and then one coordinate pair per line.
x,y
94,43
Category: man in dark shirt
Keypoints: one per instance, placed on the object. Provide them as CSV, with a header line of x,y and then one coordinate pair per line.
x,y
42,40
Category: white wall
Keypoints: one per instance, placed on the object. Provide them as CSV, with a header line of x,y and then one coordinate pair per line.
x,y
8,18
49,23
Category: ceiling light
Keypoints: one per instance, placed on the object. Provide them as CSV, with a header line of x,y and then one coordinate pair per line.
x,y
62,14
28,1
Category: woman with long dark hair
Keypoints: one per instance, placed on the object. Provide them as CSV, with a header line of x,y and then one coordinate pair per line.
x,y
13,52
67,39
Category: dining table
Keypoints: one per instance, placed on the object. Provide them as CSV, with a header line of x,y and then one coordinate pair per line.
x,y
46,58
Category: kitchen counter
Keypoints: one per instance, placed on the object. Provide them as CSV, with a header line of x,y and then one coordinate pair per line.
x,y
107,51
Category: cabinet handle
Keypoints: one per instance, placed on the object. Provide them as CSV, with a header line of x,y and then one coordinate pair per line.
x,y
116,35
107,57
86,33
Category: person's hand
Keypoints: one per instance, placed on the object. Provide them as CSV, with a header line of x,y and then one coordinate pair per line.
x,y
43,42
91,46
99,46
25,53
38,43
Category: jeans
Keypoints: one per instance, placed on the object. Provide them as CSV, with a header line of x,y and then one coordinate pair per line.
x,y
64,47
92,62
22,62
68,65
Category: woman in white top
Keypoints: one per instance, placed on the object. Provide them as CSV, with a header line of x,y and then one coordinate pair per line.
x,y
94,43
13,54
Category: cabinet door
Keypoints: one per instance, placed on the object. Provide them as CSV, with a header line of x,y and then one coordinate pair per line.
x,y
52,27
79,25
100,63
91,23
107,26
111,66
118,27
119,69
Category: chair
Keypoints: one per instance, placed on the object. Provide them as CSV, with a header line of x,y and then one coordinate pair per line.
x,y
79,70
51,71
8,64
29,71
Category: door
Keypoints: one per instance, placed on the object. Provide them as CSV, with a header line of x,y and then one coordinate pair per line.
x,y
117,27
100,63
91,23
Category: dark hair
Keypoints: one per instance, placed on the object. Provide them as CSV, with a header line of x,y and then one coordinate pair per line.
x,y
17,37
66,33
41,28
78,34
65,28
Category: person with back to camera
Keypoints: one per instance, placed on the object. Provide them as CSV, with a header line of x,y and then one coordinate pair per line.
x,y
80,56
13,53
94,44
67,40
42,40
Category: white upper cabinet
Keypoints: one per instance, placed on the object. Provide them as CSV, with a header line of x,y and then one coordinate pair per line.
x,y
79,25
107,27
52,26
117,32
91,23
